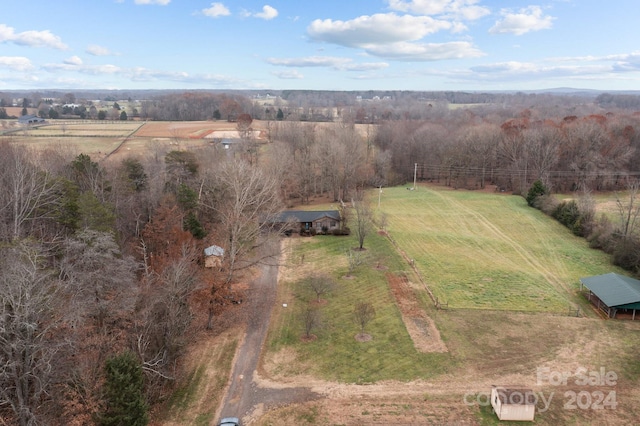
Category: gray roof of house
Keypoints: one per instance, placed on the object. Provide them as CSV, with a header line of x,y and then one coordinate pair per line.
x,y
613,289
214,251
307,215
29,117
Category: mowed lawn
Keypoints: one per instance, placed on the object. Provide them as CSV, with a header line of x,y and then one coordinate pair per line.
x,y
489,251
335,354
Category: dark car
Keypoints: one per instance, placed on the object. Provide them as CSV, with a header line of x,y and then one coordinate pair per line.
x,y
229,421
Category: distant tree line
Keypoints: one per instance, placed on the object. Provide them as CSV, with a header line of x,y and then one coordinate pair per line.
x,y
467,149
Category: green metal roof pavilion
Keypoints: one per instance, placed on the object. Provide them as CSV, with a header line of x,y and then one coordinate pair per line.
x,y
612,292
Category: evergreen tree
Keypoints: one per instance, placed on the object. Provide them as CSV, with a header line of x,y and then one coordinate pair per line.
x,y
538,189
123,392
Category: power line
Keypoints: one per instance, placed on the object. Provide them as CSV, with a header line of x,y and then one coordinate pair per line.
x,y
521,172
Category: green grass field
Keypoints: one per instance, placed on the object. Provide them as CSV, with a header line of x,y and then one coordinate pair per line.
x,y
336,354
490,251
486,255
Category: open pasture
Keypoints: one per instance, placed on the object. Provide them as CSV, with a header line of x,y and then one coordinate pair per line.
x,y
336,354
96,147
188,129
489,251
71,129
462,244
100,138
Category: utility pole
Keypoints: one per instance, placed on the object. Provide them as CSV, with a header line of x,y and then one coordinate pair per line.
x,y
415,172
379,195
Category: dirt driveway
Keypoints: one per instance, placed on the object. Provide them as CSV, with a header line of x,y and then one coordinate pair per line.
x,y
246,398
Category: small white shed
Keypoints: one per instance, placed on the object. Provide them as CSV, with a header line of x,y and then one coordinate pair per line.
x,y
511,403
213,256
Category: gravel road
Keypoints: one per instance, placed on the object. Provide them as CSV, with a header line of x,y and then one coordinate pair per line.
x,y
244,396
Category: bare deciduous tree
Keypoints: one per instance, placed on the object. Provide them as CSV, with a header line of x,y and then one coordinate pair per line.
x,y
363,314
28,192
363,218
248,202
321,284
311,319
166,313
29,306
101,279
354,259
629,209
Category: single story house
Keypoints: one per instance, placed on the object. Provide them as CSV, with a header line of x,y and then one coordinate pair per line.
x,y
30,119
515,404
613,294
307,220
213,256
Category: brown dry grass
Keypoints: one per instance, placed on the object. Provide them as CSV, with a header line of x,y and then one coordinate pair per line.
x,y
187,129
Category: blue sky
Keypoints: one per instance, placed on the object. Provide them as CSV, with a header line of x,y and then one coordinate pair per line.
x,y
320,44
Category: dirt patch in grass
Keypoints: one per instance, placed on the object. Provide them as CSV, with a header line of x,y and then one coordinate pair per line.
x,y
421,328
310,338
363,337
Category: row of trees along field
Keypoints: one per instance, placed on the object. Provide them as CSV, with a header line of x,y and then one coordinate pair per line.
x,y
101,262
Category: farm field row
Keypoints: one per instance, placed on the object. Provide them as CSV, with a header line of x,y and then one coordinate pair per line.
x,y
95,147
100,138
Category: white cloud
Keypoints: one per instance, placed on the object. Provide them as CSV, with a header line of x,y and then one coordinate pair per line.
x,y
216,10
337,63
74,60
529,71
83,69
365,66
310,61
267,13
376,29
461,9
141,74
96,50
394,37
31,38
160,2
528,19
6,33
288,75
619,63
402,51
16,63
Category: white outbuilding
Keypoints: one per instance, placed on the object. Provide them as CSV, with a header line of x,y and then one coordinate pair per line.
x,y
513,403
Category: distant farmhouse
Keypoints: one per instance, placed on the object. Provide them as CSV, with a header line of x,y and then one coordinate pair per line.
x,y
615,295
30,119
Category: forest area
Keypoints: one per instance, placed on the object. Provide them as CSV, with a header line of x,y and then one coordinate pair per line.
x,y
102,277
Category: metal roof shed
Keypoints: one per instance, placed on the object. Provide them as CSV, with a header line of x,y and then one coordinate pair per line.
x,y
613,293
